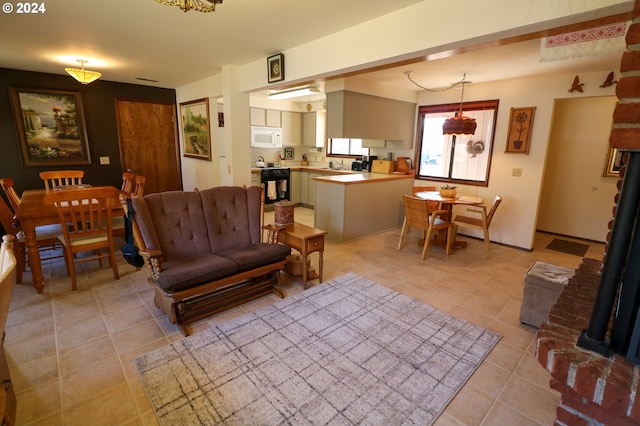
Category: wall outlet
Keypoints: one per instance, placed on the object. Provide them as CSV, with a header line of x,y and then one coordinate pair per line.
x,y
516,172
105,161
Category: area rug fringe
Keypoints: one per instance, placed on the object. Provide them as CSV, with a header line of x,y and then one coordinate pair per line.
x,y
348,351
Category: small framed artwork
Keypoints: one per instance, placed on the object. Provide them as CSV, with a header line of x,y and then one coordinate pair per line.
x,y
50,127
613,164
288,153
275,68
520,128
196,135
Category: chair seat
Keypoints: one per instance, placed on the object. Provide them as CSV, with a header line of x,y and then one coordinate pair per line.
x,y
78,242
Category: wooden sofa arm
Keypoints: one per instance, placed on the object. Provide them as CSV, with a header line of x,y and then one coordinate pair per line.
x,y
272,232
154,260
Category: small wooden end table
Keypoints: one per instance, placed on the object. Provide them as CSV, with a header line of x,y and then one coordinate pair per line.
x,y
305,239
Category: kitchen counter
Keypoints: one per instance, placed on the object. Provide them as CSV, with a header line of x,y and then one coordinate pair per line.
x,y
310,169
355,205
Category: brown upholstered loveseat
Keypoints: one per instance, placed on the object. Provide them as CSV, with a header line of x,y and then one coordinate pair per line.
x,y
205,250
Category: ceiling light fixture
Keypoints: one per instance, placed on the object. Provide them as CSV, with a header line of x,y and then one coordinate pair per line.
x,y
197,5
82,75
294,93
459,124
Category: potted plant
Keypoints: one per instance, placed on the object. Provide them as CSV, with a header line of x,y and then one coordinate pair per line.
x,y
448,191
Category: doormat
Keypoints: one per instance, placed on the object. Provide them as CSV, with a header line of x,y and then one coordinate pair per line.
x,y
348,352
569,247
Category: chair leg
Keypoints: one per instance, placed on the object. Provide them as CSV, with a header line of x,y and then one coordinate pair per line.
x,y
71,268
404,228
427,240
21,264
487,241
114,265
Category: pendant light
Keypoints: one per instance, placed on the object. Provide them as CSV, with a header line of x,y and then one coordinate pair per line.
x,y
460,124
82,75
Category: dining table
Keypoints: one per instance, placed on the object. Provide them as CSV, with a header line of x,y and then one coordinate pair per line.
x,y
447,204
36,209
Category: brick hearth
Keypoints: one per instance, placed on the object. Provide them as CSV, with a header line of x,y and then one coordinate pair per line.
x,y
593,388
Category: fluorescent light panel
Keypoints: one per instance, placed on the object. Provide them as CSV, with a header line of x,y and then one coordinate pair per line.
x,y
294,93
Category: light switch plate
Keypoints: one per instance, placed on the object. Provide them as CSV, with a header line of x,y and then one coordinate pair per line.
x,y
105,161
516,172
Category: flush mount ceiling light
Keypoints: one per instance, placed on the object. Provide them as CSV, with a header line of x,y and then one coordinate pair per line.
x,y
198,5
459,124
82,75
294,93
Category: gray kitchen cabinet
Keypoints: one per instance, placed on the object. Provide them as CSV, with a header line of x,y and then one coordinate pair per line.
x,y
258,117
304,187
291,128
309,128
294,182
273,118
312,187
363,116
265,117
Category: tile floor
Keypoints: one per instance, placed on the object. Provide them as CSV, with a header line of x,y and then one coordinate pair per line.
x,y
70,352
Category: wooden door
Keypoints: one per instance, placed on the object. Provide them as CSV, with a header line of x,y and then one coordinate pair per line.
x,y
149,143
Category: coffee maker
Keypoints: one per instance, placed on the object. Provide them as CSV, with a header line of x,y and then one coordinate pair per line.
x,y
367,162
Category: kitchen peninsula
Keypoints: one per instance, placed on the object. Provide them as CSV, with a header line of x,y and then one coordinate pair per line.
x,y
354,205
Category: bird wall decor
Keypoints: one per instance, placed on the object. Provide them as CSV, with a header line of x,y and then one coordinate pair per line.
x,y
609,81
576,86
475,148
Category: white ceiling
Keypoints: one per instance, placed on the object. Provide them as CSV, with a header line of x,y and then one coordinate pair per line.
x,y
127,40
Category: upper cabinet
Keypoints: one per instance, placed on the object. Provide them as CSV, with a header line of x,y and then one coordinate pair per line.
x,y
362,116
265,117
291,128
314,128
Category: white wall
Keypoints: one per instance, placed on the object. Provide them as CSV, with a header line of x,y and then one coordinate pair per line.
x,y
515,221
576,199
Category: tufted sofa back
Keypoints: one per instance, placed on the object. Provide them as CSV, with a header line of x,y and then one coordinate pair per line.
x,y
193,223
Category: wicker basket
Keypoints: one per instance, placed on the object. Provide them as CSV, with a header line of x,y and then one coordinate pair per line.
x,y
294,265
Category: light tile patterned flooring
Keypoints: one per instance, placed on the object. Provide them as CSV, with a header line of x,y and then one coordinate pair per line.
x,y
70,352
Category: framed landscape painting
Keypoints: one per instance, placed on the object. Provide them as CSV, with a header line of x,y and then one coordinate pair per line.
x,y
50,127
195,129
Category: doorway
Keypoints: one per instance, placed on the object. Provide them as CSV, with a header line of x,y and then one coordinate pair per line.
x,y
576,198
148,143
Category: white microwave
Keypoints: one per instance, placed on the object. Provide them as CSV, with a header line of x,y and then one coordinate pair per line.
x,y
266,137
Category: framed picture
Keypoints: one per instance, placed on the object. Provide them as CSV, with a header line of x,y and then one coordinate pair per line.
x,y
50,127
288,153
520,127
196,135
275,68
613,164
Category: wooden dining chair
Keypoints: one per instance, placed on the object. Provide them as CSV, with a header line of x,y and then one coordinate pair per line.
x,y
482,219
61,178
138,189
127,182
8,268
417,215
88,213
10,192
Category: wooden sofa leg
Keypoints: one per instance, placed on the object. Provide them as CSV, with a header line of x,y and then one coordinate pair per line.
x,y
165,304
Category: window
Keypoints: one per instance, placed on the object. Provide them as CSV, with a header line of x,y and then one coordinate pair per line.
x,y
456,158
346,147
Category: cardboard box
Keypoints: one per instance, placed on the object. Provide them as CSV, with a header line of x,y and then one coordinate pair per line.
x,y
383,166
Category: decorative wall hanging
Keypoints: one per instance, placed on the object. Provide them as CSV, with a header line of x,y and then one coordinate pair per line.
x,y
275,68
520,127
613,163
576,85
196,136
288,153
50,127
609,81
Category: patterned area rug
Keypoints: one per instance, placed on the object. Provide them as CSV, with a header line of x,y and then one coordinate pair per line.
x,y
348,351
569,247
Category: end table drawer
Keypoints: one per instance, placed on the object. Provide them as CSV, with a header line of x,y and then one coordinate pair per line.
x,y
315,244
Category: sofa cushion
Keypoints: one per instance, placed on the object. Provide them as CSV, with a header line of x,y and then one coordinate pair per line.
x,y
179,227
256,255
187,272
